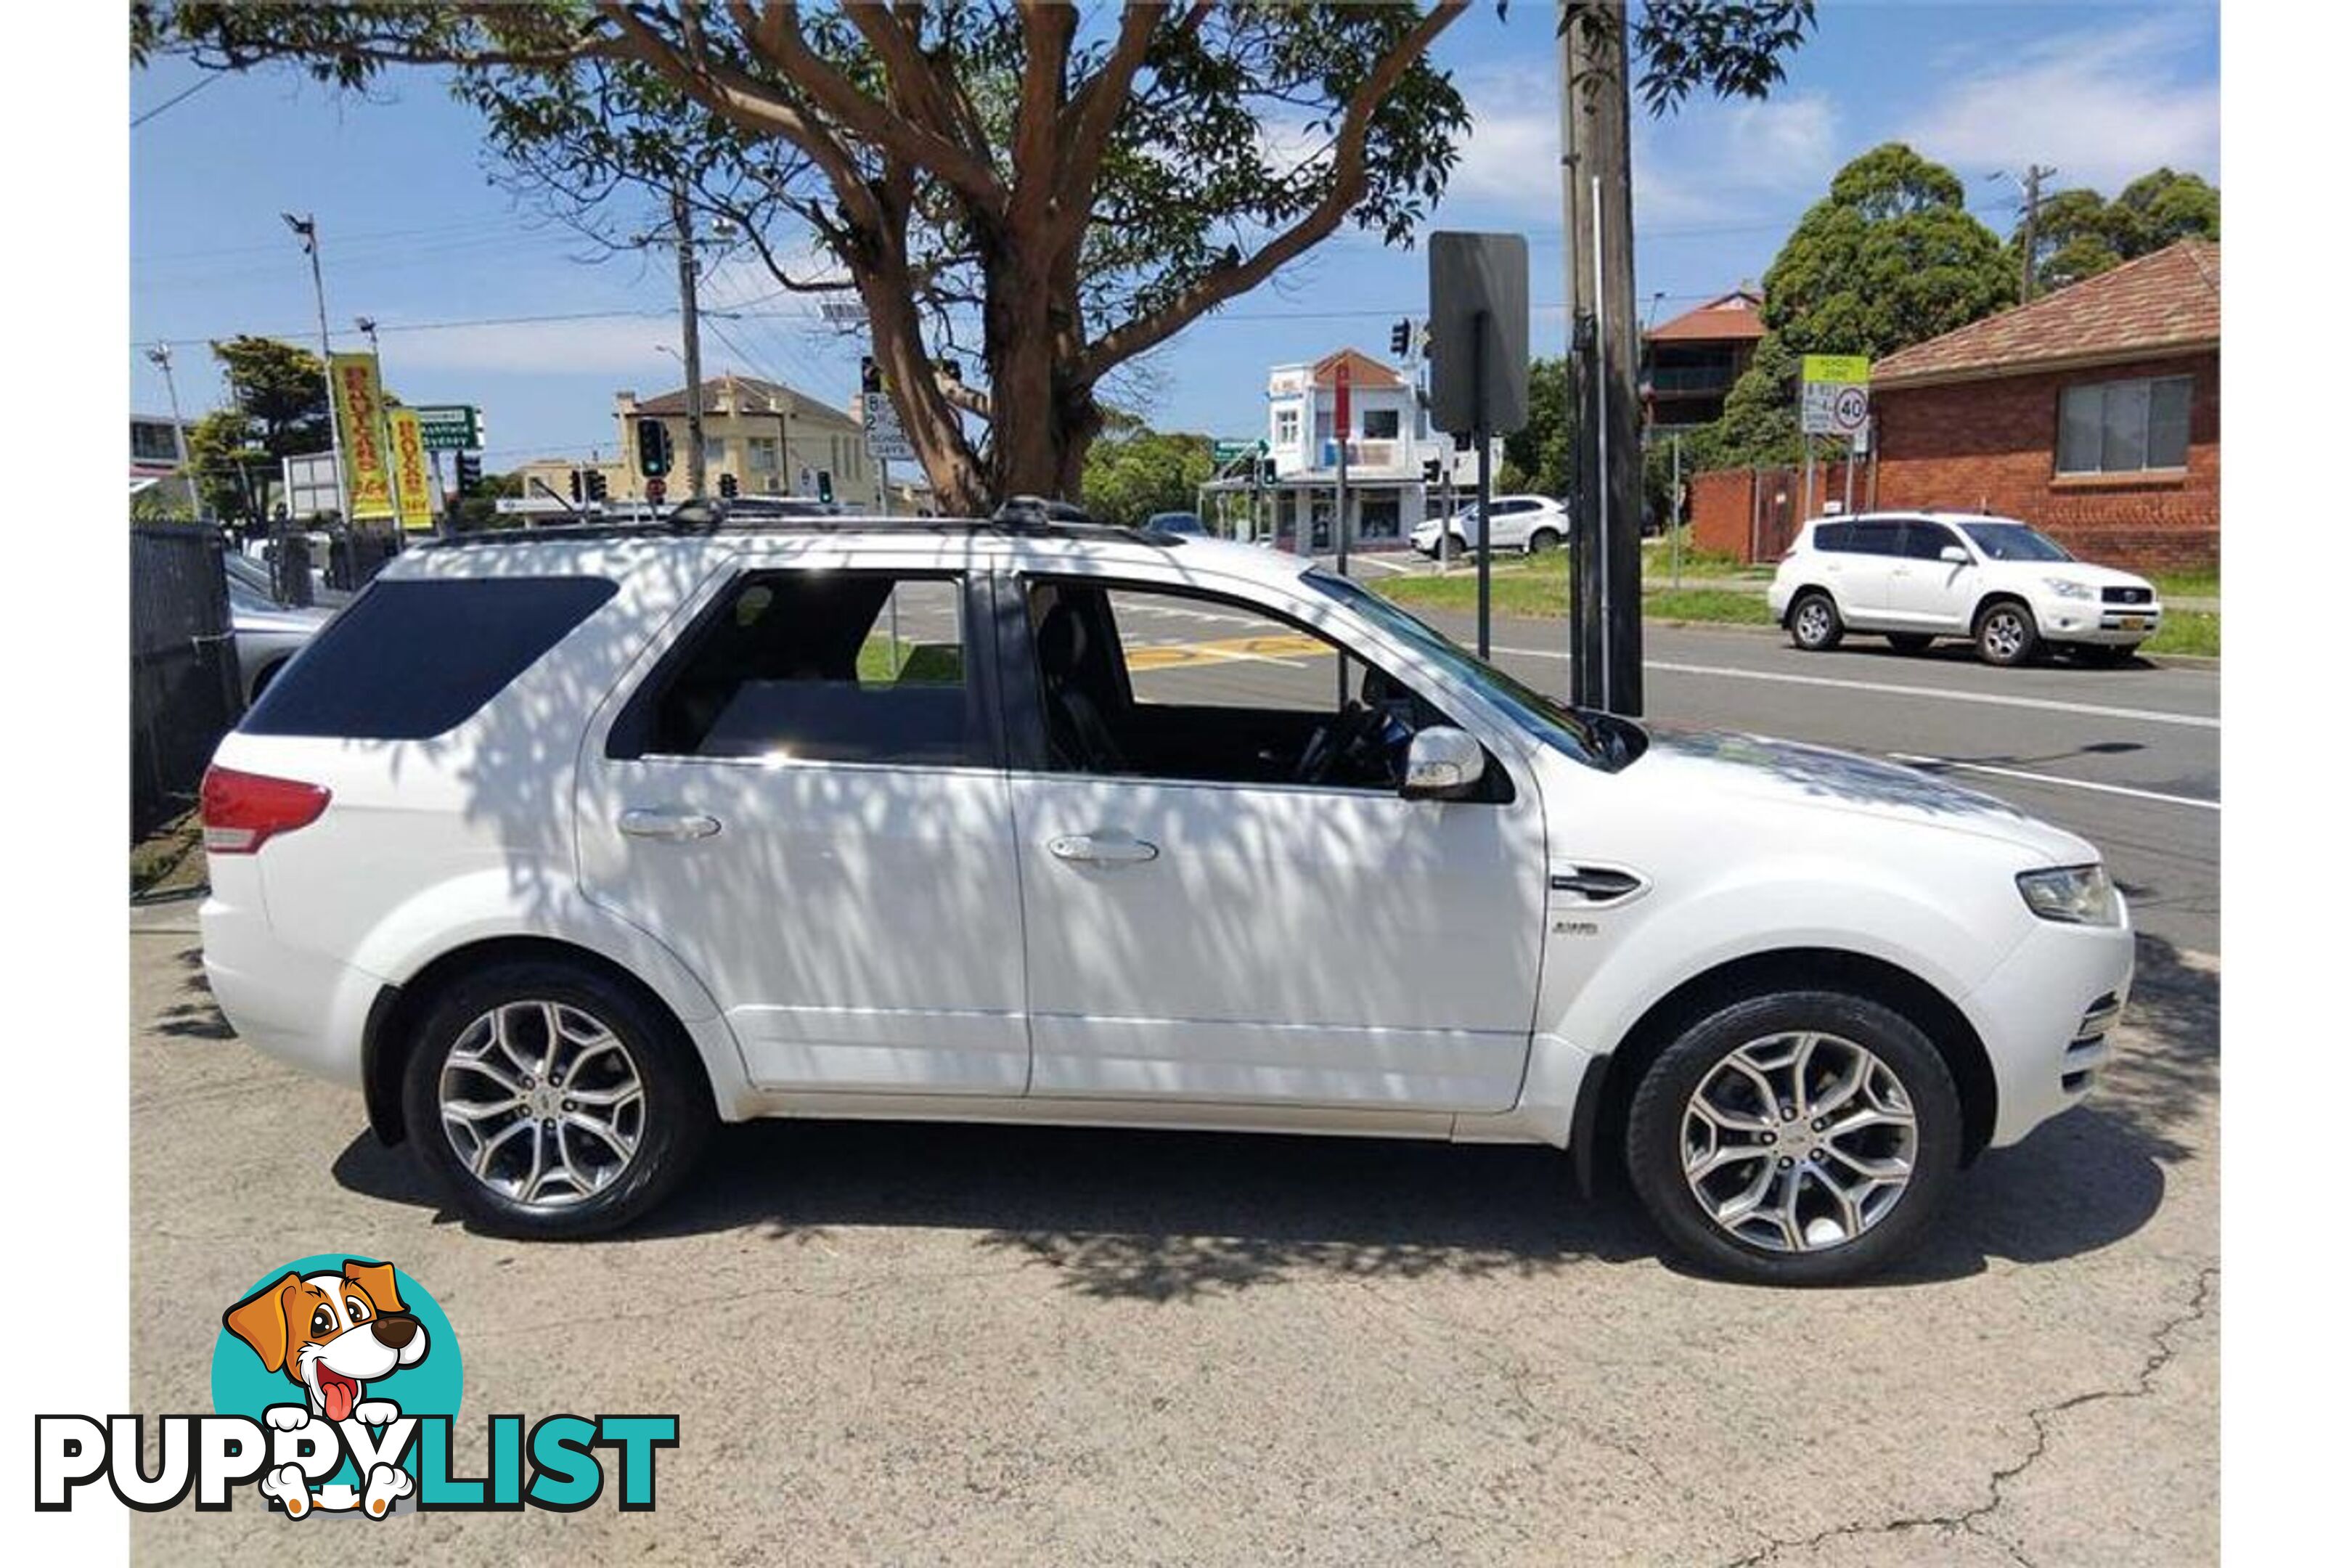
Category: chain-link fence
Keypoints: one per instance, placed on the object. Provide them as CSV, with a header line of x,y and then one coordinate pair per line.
x,y
185,694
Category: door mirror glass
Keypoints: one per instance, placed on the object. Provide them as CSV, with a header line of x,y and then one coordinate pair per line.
x,y
1956,555
1443,764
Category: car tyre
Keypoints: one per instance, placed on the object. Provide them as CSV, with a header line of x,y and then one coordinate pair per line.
x,y
1814,624
2006,635
602,1037
1834,1242
1908,642
1543,540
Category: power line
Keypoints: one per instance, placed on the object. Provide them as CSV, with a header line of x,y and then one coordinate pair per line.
x,y
182,96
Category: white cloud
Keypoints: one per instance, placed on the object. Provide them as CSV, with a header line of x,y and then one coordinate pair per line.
x,y
618,345
2103,104
1717,162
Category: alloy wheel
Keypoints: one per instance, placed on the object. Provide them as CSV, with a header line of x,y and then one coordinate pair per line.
x,y
542,1102
1813,621
2004,635
1798,1142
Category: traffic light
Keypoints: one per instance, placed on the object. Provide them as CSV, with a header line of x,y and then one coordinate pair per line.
x,y
824,484
1429,471
652,448
726,487
1265,470
579,487
869,375
1401,339
597,484
470,473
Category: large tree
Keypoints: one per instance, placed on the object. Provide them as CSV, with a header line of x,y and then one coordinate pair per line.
x,y
1000,182
2076,235
1133,471
277,408
1890,257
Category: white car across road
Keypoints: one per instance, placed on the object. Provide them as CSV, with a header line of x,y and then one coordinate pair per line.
x,y
1530,523
1916,577
1040,821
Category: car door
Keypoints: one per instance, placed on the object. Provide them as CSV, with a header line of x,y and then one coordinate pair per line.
x,y
804,800
1861,582
1202,925
1923,591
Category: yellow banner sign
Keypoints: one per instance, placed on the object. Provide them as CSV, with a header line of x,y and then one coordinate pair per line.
x,y
411,468
358,424
1851,370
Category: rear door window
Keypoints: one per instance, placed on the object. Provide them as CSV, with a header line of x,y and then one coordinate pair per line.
x,y
416,658
817,666
1877,539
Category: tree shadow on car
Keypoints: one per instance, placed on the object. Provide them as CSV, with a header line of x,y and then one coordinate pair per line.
x,y
1167,1216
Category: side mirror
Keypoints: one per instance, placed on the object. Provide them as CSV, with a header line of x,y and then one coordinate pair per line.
x,y
1443,764
1955,554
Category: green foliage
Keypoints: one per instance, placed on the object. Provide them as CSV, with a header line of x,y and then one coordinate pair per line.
x,y
1890,258
1542,452
282,390
1759,415
1134,471
1733,49
230,468
2078,236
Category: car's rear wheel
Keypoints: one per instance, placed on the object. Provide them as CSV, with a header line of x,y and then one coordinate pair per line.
x,y
549,1101
1908,642
2006,633
1796,1138
1813,622
1542,540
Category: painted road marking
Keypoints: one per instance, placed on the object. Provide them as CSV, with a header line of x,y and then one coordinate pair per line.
x,y
1283,647
1918,762
1900,688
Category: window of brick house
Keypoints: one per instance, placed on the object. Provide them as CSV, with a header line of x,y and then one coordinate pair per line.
x,y
2123,426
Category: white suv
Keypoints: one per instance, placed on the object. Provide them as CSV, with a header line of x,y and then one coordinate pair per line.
x,y
1530,523
560,848
1917,577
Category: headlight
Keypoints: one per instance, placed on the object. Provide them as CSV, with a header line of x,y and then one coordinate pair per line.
x,y
2067,588
2078,895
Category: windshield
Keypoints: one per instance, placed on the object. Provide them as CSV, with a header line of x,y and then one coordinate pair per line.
x,y
2014,542
1564,729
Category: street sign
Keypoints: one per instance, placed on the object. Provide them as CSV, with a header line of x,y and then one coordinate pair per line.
x,y
450,427
885,438
1224,452
1836,396
1478,332
842,313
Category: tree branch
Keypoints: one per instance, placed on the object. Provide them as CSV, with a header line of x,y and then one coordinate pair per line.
x,y
1094,109
1222,283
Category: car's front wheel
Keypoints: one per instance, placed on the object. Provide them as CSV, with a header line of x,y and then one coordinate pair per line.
x,y
2006,633
549,1101
1797,1138
1813,622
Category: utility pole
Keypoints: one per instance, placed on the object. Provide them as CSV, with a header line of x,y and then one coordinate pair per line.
x,y
160,354
691,328
306,228
1596,210
2029,188
786,474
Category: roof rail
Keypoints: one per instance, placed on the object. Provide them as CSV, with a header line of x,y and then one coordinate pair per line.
x,y
1025,515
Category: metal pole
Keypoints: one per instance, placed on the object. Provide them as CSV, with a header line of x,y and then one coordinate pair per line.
x,y
306,227
161,354
384,426
1847,509
1486,483
782,409
690,331
1675,512
1601,337
1339,510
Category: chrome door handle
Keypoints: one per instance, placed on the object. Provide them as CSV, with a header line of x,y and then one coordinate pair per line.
x,y
671,826
1090,849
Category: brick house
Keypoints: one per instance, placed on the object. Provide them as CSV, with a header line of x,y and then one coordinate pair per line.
x,y
2094,413
1689,364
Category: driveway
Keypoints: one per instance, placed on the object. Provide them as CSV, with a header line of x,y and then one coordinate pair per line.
x,y
915,1343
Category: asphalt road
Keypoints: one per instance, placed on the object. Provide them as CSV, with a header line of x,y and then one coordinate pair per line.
x,y
898,1343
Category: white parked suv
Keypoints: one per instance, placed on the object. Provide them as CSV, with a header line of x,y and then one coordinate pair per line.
x,y
562,848
1916,577
1530,523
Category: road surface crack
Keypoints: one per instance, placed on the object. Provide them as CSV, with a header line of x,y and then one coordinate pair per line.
x,y
2162,1351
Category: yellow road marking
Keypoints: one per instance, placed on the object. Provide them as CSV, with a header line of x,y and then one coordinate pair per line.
x,y
1281,647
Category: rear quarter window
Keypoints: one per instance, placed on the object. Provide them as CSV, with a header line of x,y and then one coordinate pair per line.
x,y
416,657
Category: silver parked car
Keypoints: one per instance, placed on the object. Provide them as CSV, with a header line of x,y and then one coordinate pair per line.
x,y
268,633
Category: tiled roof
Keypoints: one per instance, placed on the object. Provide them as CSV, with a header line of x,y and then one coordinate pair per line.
x,y
1737,317
1364,370
2166,301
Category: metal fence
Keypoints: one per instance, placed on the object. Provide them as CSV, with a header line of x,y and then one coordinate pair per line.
x,y
184,693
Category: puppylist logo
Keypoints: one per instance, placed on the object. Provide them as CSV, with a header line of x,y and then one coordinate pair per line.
x,y
335,1383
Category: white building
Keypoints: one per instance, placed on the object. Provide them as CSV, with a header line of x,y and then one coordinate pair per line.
x,y
1398,467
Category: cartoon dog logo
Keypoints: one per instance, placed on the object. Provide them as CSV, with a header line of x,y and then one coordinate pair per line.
x,y
330,1334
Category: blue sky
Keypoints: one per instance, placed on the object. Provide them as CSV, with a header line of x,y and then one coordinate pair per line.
x,y
416,234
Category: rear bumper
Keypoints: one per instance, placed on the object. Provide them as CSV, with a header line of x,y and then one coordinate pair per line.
x,y
2047,1015
304,1010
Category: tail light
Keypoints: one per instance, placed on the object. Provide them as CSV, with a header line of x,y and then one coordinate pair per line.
x,y
243,810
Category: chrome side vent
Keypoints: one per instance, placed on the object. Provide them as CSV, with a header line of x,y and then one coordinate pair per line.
x,y
1598,884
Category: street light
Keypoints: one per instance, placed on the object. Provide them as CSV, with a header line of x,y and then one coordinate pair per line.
x,y
161,357
306,228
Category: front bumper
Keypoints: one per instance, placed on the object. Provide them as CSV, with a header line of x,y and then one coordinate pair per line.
x,y
2091,621
2047,1016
